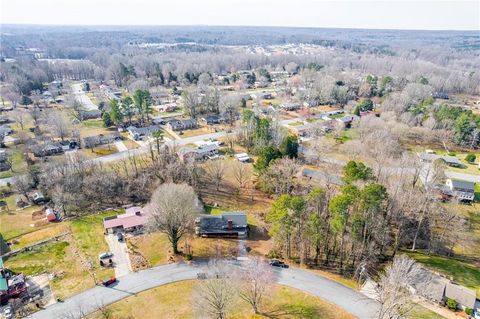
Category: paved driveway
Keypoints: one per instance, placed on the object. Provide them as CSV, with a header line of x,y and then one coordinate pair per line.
x,y
88,301
82,97
120,258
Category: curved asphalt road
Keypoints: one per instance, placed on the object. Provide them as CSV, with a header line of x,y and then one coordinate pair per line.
x,y
88,301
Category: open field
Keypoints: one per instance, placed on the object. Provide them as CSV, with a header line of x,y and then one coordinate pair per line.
x,y
282,301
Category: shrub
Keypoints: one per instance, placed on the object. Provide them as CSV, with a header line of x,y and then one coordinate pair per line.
x,y
188,256
469,311
452,304
470,158
452,154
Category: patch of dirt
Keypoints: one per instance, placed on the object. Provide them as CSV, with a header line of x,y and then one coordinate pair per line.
x,y
38,214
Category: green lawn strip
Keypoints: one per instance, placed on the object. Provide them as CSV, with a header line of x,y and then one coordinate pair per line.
x,y
462,272
420,312
88,233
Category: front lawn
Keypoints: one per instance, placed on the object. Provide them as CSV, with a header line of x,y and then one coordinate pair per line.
x,y
280,302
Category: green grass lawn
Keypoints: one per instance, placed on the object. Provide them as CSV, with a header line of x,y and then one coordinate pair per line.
x,y
461,272
88,233
420,312
58,258
93,123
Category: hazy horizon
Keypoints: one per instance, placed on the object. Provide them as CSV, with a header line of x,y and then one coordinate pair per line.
x,y
443,15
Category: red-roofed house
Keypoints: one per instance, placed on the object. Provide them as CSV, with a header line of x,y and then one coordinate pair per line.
x,y
133,219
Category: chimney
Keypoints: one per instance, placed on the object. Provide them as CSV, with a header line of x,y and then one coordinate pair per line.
x,y
229,224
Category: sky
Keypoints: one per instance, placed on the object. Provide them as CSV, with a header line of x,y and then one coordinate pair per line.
x,y
373,14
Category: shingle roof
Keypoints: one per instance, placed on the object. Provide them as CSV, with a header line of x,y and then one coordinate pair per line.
x,y
433,157
458,184
464,296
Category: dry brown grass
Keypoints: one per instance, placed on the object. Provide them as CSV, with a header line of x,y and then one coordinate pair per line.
x,y
174,301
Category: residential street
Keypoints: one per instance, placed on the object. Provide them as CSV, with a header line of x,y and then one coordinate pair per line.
x,y
88,301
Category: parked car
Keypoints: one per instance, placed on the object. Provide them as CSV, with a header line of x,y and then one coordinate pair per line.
x,y
7,312
120,236
278,263
105,255
108,281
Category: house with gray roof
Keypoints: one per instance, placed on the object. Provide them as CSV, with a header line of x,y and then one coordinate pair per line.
x,y
462,190
180,125
430,158
227,225
138,132
198,153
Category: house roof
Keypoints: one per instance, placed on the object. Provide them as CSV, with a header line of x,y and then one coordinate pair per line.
x,y
206,148
124,221
464,296
433,157
458,184
431,286
143,130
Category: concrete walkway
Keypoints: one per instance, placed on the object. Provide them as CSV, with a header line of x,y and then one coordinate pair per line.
x,y
90,300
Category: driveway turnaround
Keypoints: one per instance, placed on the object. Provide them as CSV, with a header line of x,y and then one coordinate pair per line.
x,y
89,301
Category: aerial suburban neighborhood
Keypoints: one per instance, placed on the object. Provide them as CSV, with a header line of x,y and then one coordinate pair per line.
x,y
211,170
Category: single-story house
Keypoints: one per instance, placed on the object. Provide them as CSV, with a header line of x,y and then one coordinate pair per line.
x,y
243,157
227,225
47,149
347,120
438,290
430,158
290,106
465,297
180,125
138,132
168,107
461,190
211,119
101,139
133,219
88,115
198,153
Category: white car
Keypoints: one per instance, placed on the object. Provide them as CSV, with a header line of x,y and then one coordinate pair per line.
x,y
105,255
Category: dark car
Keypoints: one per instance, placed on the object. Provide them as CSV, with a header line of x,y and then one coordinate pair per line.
x,y
278,263
105,255
120,236
108,281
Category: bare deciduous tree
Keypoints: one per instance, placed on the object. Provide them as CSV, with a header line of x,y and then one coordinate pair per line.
x,y
215,295
256,278
393,291
241,172
216,171
20,118
171,210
